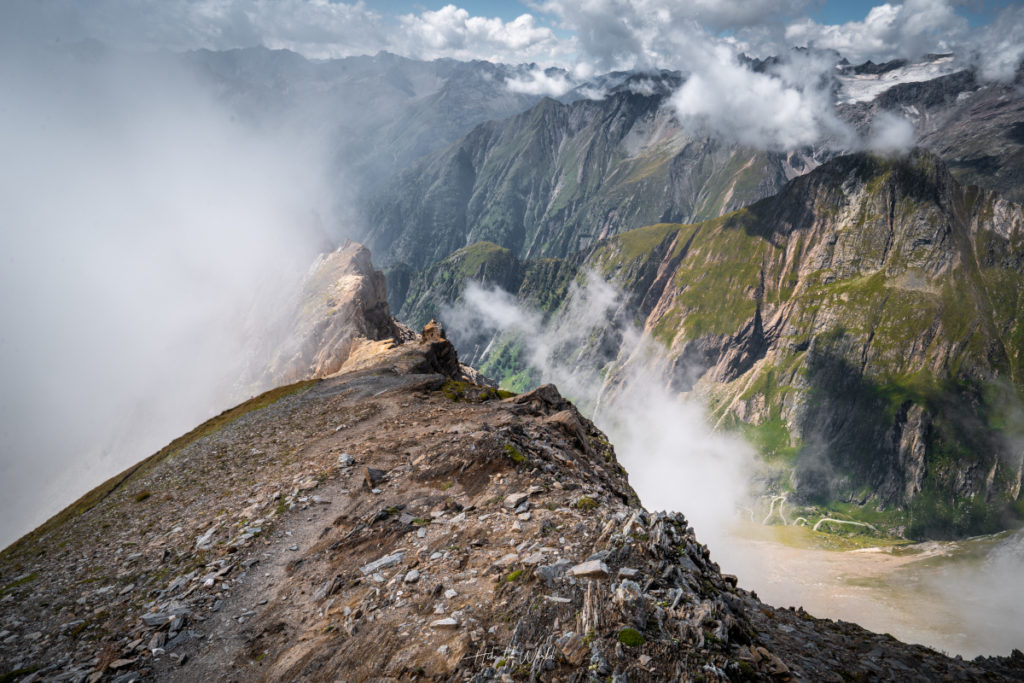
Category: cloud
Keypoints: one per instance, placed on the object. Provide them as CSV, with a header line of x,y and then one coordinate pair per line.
x,y
315,28
675,460
151,241
623,34
997,50
537,81
891,134
787,107
452,32
889,31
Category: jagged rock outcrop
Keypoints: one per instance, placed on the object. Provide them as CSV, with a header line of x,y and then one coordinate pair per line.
x,y
343,302
396,522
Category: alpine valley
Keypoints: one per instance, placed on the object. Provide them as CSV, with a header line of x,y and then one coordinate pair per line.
x,y
407,495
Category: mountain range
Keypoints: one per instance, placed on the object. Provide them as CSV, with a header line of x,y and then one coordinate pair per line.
x,y
389,512
398,520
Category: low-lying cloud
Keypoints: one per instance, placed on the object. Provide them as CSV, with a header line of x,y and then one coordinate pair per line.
x,y
891,134
150,242
675,460
537,81
787,107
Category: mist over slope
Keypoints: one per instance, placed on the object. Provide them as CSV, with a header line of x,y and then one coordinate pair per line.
x,y
861,328
160,214
399,519
152,242
375,115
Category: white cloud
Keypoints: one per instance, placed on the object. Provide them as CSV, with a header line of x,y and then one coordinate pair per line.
x,y
997,50
623,34
889,31
891,134
452,32
540,82
785,108
315,28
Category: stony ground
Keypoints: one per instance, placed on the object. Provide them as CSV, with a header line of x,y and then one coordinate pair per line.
x,y
394,522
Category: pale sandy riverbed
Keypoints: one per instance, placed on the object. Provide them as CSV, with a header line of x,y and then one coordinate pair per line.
x,y
962,598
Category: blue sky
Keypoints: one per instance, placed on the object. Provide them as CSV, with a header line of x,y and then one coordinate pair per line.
x,y
978,13
585,36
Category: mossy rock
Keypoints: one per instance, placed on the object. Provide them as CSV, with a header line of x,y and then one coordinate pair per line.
x,y
630,637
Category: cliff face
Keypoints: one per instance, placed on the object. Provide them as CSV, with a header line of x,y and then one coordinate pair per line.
x,y
557,178
343,304
863,326
395,521
976,128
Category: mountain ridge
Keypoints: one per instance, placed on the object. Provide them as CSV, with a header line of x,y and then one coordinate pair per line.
x,y
396,520
884,276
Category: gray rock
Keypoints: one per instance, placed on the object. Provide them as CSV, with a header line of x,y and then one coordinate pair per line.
x,y
204,540
412,576
384,562
446,623
535,558
450,593
628,572
514,500
158,640
550,573
346,460
372,477
592,569
155,619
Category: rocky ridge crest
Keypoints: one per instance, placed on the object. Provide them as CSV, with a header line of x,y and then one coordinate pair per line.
x,y
397,522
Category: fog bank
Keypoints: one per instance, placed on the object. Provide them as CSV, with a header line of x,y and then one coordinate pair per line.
x,y
150,241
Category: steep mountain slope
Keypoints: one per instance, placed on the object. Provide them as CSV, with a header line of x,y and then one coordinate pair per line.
x,y
378,114
866,324
395,521
863,327
558,177
976,128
